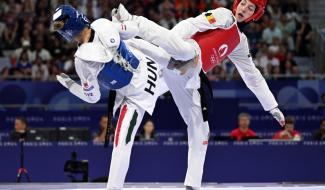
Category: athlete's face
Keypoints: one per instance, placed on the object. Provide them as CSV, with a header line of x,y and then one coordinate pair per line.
x,y
83,37
245,9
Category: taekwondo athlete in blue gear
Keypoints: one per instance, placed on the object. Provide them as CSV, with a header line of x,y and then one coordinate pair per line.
x,y
113,75
103,58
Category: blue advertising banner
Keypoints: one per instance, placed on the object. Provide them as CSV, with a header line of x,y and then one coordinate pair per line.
x,y
48,104
291,94
245,162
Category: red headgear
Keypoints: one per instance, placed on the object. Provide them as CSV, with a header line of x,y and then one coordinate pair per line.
x,y
260,6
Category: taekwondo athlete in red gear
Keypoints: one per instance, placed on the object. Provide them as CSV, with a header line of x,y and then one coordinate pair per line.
x,y
193,36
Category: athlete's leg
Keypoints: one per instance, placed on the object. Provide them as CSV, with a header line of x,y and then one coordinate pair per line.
x,y
176,46
128,123
188,101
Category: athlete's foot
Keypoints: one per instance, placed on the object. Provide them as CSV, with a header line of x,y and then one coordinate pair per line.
x,y
112,188
190,188
121,14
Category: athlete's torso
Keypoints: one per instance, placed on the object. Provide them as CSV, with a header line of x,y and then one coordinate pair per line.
x,y
137,80
218,36
216,45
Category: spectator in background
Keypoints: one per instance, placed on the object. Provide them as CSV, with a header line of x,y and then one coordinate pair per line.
x,y
5,67
276,72
275,46
26,27
100,137
217,74
90,10
295,73
3,7
24,64
25,37
287,29
288,65
20,125
272,31
43,5
289,132
288,57
55,47
236,75
253,32
40,70
25,47
262,52
148,133
41,52
28,6
264,23
4,74
20,128
322,101
303,37
167,19
319,135
274,10
54,70
243,132
10,31
267,62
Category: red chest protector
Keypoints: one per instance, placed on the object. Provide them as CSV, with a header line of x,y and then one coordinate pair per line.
x,y
216,45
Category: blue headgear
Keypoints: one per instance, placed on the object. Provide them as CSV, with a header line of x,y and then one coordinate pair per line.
x,y
74,21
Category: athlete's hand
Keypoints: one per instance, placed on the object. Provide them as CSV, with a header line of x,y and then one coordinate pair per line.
x,y
278,115
65,80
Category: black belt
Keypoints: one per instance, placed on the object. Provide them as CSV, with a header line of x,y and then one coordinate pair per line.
x,y
206,95
110,107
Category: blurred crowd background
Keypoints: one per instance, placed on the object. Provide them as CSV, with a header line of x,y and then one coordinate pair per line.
x,y
282,42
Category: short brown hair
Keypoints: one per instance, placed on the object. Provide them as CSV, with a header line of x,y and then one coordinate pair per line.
x,y
22,119
244,114
290,120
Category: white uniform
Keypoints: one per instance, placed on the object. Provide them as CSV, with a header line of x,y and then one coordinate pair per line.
x,y
110,62
188,101
220,18
184,89
240,56
180,44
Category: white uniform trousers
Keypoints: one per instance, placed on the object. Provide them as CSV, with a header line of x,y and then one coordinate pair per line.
x,y
128,123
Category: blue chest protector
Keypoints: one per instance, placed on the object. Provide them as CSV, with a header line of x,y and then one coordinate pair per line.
x,y
113,75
